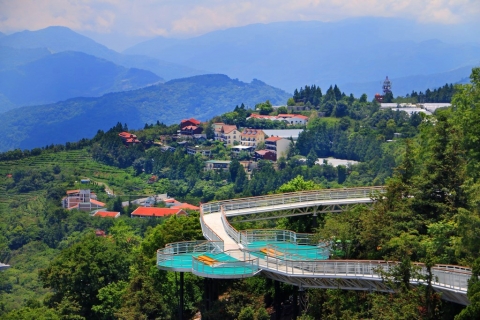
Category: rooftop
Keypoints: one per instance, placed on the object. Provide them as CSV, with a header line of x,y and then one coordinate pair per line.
x,y
106,214
156,212
285,133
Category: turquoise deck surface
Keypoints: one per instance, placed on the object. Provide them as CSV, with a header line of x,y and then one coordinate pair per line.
x,y
226,265
289,250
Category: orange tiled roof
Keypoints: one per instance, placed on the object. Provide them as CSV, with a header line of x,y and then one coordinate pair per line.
x,y
273,139
73,191
106,214
263,152
186,206
98,203
156,212
192,120
229,128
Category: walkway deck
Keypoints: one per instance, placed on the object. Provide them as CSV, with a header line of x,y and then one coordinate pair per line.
x,y
245,250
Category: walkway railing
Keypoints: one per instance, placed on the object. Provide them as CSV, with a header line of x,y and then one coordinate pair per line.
x,y
231,231
363,269
274,235
208,232
166,256
293,197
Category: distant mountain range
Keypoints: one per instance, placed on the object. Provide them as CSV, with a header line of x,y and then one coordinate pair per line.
x,y
31,62
291,54
201,97
58,39
64,75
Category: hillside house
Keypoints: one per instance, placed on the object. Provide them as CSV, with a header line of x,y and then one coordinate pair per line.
x,y
189,127
128,138
204,151
293,119
217,165
153,212
279,146
82,200
237,149
252,137
289,119
226,133
106,214
265,155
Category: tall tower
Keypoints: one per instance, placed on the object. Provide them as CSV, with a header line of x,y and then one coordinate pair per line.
x,y
387,86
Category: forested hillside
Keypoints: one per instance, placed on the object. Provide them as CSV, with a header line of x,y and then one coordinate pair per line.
x,y
202,97
429,214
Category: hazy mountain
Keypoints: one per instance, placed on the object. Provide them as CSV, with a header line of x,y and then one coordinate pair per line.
x,y
59,39
201,97
402,86
69,74
12,57
292,54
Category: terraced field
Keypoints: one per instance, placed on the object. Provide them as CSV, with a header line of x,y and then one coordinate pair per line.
x,y
76,162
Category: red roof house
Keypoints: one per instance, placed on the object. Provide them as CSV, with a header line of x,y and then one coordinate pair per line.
x,y
186,206
152,212
106,214
189,122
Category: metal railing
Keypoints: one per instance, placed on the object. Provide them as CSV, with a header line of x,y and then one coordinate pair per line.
x,y
456,281
247,237
297,252
208,232
171,250
290,198
231,231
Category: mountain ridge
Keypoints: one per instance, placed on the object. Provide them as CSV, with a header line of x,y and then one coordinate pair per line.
x,y
68,74
202,97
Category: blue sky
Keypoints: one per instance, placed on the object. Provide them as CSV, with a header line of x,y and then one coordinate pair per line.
x,y
142,19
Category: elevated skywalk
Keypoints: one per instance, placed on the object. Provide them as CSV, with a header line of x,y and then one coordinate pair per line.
x,y
291,257
294,203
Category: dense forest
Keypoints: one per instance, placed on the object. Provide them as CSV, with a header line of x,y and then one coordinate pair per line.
x,y
430,214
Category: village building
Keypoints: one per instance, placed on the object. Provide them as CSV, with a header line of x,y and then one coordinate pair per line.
x,y
289,119
204,151
252,137
190,127
237,149
265,155
293,119
153,212
217,165
106,214
81,199
284,133
226,133
128,138
279,146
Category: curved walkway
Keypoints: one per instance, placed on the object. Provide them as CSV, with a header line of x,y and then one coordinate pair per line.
x,y
287,256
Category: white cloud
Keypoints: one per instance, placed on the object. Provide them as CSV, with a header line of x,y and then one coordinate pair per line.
x,y
193,17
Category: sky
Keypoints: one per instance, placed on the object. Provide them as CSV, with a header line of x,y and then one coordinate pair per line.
x,y
122,23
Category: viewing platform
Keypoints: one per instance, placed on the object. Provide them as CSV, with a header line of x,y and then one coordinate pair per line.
x,y
290,257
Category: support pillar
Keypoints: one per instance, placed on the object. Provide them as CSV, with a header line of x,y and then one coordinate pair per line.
x,y
315,223
276,299
303,299
295,304
182,302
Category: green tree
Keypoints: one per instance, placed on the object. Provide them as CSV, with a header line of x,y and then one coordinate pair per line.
x,y
264,108
80,271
